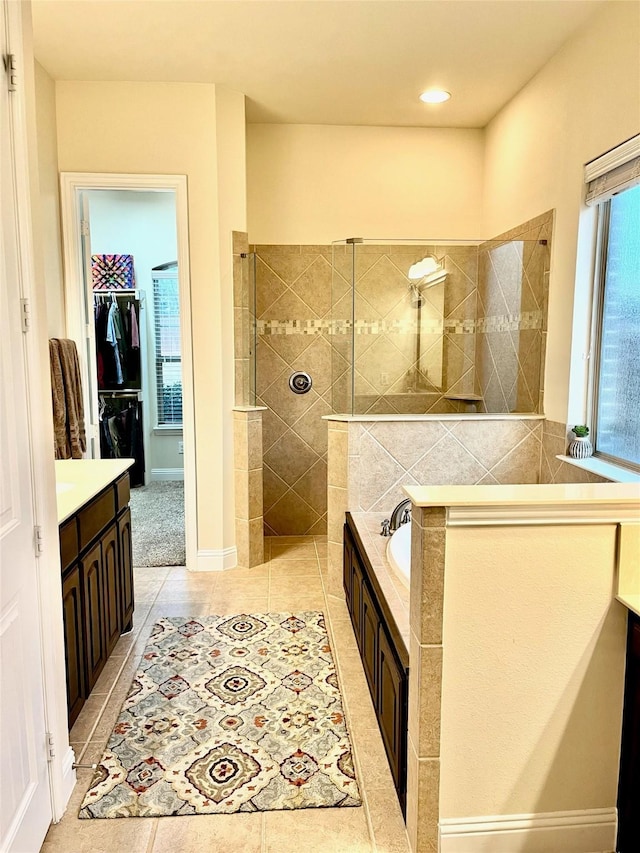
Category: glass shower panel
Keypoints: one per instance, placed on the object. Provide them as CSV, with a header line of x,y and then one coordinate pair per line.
x,y
252,330
341,327
245,329
398,340
441,327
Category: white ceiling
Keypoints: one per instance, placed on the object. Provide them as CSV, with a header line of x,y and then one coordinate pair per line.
x,y
353,62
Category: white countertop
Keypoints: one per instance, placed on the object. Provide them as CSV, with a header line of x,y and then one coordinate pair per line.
x,y
552,494
79,480
631,602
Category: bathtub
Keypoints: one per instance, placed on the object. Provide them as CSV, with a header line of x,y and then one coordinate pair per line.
x,y
399,552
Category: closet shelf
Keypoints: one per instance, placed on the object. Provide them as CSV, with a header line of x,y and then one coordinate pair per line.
x,y
129,392
132,294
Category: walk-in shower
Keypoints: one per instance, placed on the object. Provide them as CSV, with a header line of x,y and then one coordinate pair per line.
x,y
442,327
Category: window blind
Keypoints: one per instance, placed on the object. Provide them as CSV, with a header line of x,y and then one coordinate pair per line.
x,y
166,306
613,172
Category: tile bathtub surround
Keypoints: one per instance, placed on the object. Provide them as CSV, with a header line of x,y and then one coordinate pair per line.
x,y
385,456
337,498
425,675
275,585
513,285
247,463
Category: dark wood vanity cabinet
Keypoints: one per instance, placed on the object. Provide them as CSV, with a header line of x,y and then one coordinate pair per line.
x,y
384,655
97,587
126,569
92,591
74,640
629,783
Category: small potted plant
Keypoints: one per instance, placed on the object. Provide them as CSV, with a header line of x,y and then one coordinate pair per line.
x,y
580,447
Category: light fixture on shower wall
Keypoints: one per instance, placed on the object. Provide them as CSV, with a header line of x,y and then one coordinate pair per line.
x,y
427,272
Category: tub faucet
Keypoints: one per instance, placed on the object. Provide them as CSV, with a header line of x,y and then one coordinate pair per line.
x,y
400,515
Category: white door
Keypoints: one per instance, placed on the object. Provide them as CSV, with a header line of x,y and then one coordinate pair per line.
x,y
25,806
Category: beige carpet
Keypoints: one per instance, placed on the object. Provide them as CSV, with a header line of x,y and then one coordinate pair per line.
x,y
157,524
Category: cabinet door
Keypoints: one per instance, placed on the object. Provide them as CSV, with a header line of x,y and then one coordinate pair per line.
x,y
126,571
356,596
347,560
73,641
93,598
629,784
391,707
111,587
370,629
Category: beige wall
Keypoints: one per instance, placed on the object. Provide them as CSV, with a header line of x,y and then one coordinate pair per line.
x,y
173,128
232,216
532,673
49,207
585,101
317,183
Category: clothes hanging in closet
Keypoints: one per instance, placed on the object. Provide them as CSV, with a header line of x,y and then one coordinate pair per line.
x,y
117,341
121,433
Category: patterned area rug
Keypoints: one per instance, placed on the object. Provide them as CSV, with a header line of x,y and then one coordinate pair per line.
x,y
228,714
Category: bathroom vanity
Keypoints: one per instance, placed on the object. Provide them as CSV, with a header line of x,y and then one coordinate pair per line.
x,y
383,650
97,570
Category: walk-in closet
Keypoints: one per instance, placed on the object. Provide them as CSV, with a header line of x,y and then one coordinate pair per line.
x,y
130,258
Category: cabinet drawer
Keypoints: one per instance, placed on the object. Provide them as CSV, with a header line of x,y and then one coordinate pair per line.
x,y
122,492
68,543
95,516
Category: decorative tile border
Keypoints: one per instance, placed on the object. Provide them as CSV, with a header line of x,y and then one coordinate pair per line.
x,y
501,323
510,322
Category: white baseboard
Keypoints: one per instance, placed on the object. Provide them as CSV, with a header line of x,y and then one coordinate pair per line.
x,y
167,474
68,775
588,831
216,560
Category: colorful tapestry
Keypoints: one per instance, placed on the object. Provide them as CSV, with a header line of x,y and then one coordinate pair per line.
x,y
228,714
112,272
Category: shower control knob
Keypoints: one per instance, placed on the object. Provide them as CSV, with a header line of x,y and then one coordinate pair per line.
x,y
300,382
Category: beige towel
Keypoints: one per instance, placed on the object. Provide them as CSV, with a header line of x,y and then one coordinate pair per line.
x,y
73,445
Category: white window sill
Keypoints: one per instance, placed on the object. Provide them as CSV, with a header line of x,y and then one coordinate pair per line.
x,y
167,430
603,469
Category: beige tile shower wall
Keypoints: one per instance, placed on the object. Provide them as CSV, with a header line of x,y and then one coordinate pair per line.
x,y
555,440
247,450
513,287
293,296
241,320
385,456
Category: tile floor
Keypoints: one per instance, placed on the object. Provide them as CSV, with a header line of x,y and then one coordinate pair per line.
x,y
293,577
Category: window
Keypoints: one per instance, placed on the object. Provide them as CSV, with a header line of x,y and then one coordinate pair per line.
x,y
615,410
166,306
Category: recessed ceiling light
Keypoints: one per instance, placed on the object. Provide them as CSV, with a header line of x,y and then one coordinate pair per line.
x,y
435,96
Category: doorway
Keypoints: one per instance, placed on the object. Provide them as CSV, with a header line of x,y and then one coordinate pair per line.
x,y
125,242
